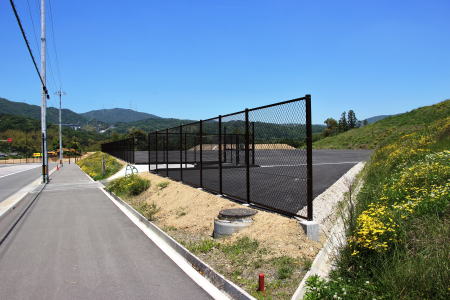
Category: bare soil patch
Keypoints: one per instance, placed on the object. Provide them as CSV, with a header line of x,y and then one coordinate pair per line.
x,y
274,244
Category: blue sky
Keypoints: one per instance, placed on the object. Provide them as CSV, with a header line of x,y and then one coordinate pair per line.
x,y
197,59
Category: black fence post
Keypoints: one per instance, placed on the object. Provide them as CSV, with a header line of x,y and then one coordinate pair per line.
x,y
309,178
133,153
148,151
167,152
238,159
181,153
220,154
224,141
253,143
156,151
201,153
195,149
247,153
185,150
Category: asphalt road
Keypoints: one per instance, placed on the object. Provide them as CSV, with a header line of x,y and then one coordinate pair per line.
x,y
278,179
74,243
15,177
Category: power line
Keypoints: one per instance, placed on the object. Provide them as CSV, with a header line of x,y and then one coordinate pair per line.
x,y
54,45
50,65
44,87
34,28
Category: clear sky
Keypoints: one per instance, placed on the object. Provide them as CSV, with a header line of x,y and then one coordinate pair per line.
x,y
197,59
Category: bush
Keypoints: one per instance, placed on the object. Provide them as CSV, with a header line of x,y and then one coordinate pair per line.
x,y
132,185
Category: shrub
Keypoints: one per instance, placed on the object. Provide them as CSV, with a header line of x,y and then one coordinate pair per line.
x,y
132,185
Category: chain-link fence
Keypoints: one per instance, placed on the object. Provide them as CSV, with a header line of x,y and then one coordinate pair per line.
x,y
123,149
260,156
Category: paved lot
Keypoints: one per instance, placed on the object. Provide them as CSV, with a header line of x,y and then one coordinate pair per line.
x,y
277,180
74,243
15,177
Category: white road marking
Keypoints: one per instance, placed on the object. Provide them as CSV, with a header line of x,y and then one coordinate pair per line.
x,y
6,169
319,164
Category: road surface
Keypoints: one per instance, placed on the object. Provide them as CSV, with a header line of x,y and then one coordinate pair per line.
x,y
15,177
74,243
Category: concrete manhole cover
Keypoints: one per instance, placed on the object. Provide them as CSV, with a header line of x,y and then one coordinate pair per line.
x,y
236,213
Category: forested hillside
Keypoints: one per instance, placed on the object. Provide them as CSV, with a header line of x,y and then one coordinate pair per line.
x,y
117,115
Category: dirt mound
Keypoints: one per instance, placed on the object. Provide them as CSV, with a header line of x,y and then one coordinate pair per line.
x,y
192,211
257,147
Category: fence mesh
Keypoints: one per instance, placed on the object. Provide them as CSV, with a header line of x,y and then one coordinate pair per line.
x,y
278,176
260,156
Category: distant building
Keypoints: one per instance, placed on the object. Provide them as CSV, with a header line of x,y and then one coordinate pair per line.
x,y
73,126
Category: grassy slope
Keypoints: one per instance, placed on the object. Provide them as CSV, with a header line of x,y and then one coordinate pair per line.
x,y
92,165
386,130
399,232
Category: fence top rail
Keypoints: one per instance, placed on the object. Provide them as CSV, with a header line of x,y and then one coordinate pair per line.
x,y
235,113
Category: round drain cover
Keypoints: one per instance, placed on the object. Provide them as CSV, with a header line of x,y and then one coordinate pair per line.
x,y
236,213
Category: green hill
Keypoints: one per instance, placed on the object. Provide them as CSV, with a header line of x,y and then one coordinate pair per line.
x,y
26,135
386,130
34,112
116,115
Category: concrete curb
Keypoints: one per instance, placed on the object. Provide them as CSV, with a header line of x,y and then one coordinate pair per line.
x,y
322,263
20,195
19,204
228,287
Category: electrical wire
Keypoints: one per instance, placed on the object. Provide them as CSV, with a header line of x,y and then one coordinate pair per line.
x,y
44,87
54,45
52,76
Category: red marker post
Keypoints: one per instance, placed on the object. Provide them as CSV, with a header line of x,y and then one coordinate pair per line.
x,y
9,140
261,287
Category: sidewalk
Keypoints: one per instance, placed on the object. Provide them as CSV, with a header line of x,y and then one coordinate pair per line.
x,y
74,243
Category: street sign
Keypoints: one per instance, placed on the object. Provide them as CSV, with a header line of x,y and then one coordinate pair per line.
x,y
37,154
9,140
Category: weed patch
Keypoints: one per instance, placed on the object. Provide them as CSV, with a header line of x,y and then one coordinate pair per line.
x,y
203,246
92,165
162,185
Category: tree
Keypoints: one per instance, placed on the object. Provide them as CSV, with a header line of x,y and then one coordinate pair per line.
x,y
351,119
332,126
365,122
342,126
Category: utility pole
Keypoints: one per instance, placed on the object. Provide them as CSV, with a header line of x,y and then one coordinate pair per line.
x,y
60,94
44,98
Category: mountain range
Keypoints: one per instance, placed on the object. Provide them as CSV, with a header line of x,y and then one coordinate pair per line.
x,y
118,119
115,119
